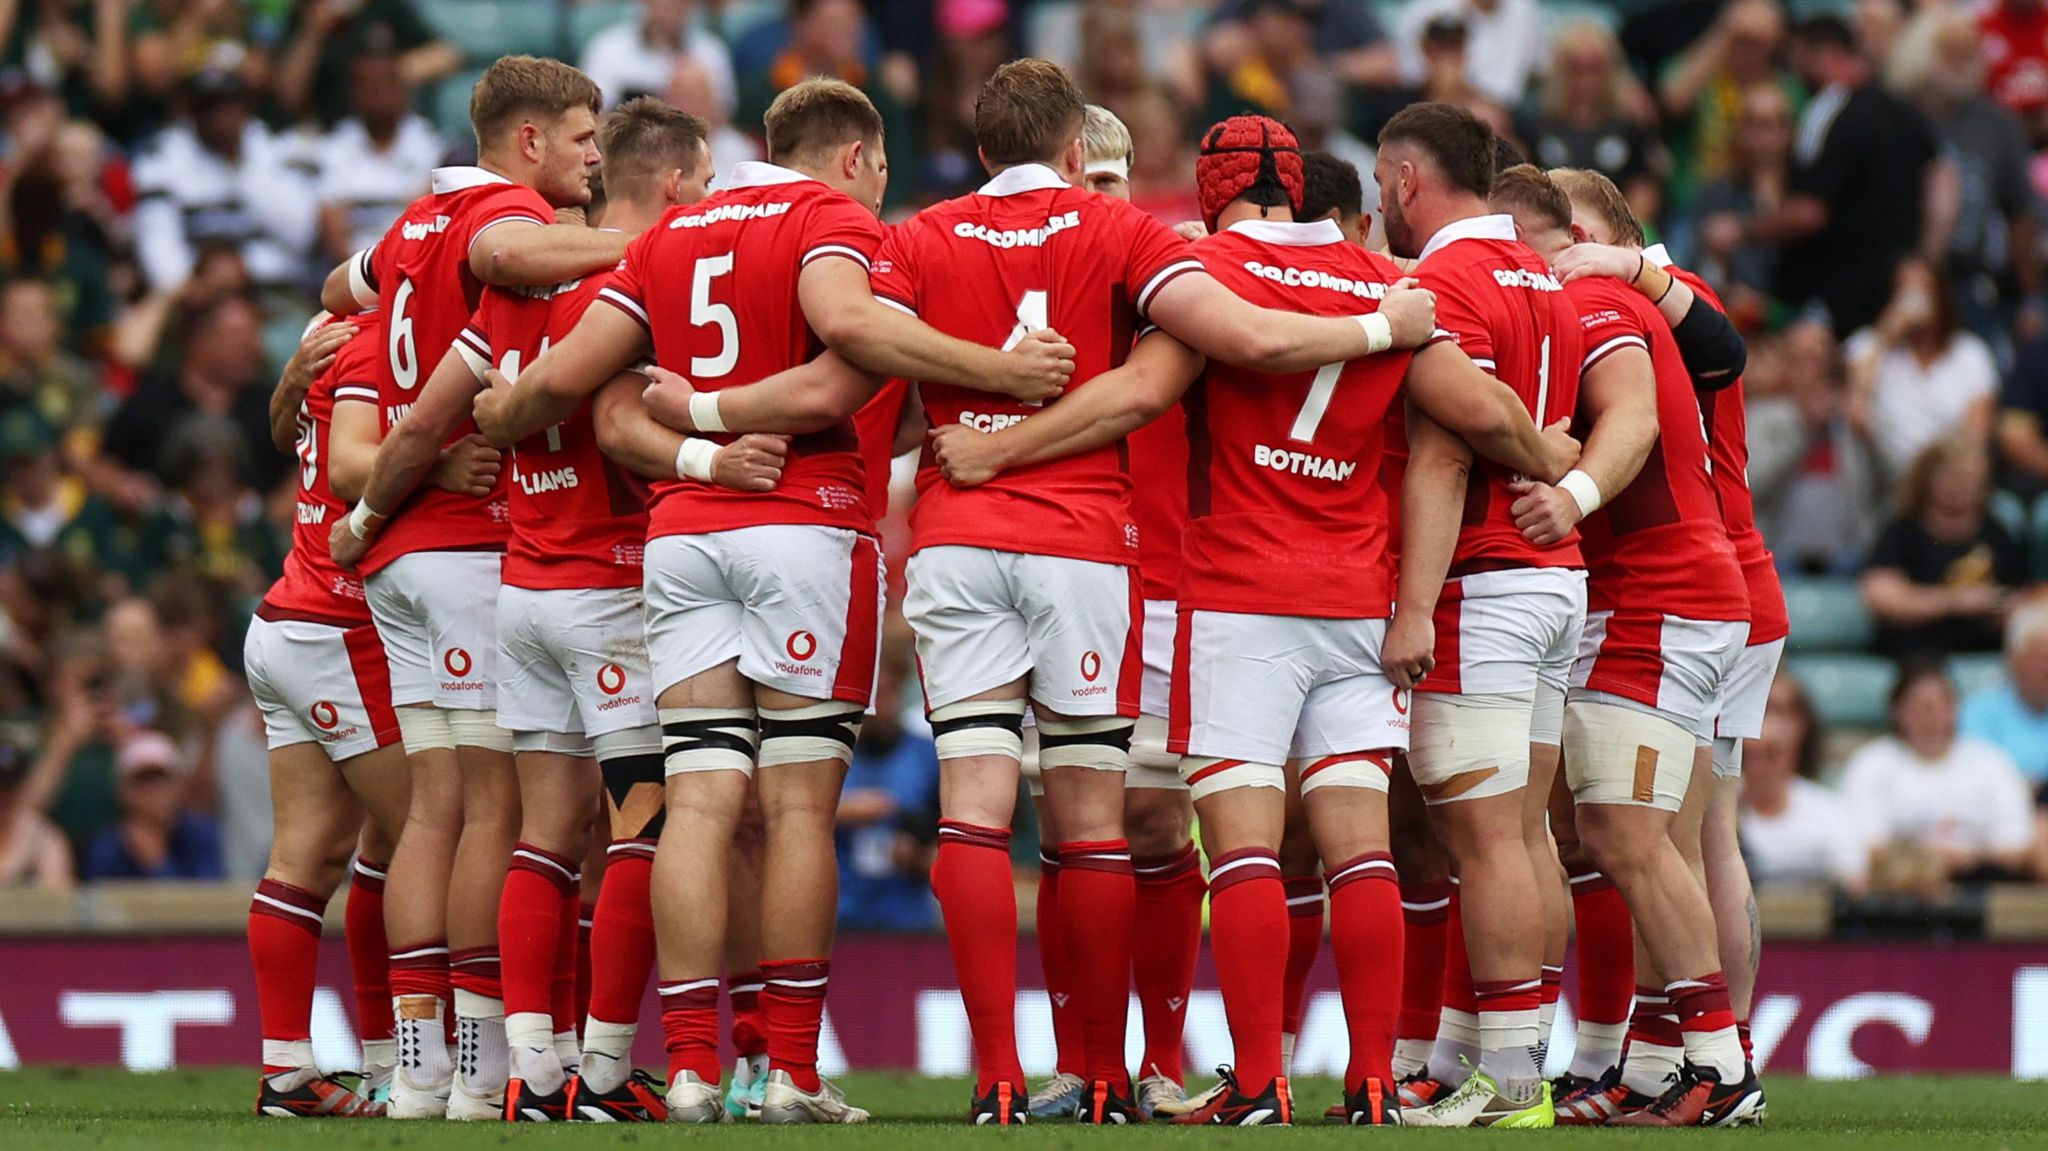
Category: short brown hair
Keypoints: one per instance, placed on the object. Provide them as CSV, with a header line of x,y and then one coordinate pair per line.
x,y
1597,194
521,87
1459,142
1027,112
1527,188
819,114
643,141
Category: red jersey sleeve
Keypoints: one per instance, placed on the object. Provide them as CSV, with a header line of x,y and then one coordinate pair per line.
x,y
355,366
625,290
1610,325
474,340
503,205
894,274
1458,318
1155,254
841,227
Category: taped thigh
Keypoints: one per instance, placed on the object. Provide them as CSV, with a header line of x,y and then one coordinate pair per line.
x,y
1372,770
1618,751
1207,775
552,742
425,729
979,727
808,734
631,763
1469,746
709,739
479,729
1101,743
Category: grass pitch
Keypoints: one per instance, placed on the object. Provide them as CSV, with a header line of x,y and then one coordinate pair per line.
x,y
102,1109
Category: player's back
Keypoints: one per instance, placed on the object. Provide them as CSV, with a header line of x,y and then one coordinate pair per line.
x,y
1287,515
716,284
312,584
1659,543
427,293
578,519
1029,251
1500,302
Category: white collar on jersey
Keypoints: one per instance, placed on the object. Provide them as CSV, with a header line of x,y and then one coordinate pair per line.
x,y
1290,234
761,174
1023,178
1499,226
463,176
1656,254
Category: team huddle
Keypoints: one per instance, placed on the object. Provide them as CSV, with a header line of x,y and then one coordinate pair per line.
x,y
1427,580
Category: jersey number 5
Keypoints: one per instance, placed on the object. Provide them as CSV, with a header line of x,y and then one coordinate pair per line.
x,y
704,313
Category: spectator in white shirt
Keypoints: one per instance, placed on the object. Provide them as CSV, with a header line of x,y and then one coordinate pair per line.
x,y
1915,375
636,57
219,176
375,162
690,90
1925,791
1795,830
1504,43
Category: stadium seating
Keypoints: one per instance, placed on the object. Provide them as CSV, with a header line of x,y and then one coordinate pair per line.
x,y
588,19
488,29
1846,690
1827,615
451,105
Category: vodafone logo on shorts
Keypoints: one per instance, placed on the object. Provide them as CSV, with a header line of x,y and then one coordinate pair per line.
x,y
457,662
1400,701
325,716
1091,665
611,679
802,645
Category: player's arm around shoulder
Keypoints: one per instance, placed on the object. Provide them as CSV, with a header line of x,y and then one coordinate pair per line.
x,y
1102,411
527,253
1469,403
1218,323
637,442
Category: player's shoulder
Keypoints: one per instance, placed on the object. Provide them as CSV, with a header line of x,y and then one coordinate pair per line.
x,y
1604,297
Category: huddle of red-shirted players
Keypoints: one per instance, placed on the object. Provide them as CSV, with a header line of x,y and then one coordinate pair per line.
x,y
1344,553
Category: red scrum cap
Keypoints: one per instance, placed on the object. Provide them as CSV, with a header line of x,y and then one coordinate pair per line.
x,y
1242,153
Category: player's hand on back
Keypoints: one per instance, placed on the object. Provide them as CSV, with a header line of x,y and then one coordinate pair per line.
x,y
966,457
1410,312
1582,260
668,399
1191,230
752,463
468,467
315,354
1561,450
1039,367
1409,651
1545,514
488,409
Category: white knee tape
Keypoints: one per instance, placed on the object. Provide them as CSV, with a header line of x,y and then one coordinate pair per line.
x,y
709,739
552,742
1727,757
1366,769
1151,764
1469,746
1205,776
424,729
1546,717
1102,743
632,741
1618,752
979,727
479,729
808,734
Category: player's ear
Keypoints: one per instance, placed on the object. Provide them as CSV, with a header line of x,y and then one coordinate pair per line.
x,y
529,140
1580,235
983,157
849,160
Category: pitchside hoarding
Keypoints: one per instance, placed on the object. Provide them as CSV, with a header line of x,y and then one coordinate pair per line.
x,y
1829,1010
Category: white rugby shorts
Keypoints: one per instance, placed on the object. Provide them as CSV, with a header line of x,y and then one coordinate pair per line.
x,y
799,605
437,613
1152,766
319,683
985,618
1503,632
1739,711
573,661
1672,665
1267,689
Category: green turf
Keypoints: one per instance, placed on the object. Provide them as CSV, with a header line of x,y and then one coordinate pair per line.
x,y
208,1109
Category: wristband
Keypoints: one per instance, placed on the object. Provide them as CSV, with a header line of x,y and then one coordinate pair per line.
x,y
1583,491
704,412
694,459
1379,333
359,518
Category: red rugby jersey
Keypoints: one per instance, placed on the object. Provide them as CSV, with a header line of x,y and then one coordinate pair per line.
x,y
1286,515
1159,499
1498,300
875,425
1728,448
426,293
1658,545
715,284
578,519
1030,251
312,585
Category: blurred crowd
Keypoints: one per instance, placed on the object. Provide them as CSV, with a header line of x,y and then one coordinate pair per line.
x,y
1863,181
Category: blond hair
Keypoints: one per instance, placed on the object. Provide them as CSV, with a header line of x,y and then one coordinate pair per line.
x,y
517,88
1597,194
1525,188
1104,137
819,115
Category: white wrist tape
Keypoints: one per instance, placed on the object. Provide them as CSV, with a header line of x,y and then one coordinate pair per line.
x,y
1583,491
694,458
359,518
704,412
1379,333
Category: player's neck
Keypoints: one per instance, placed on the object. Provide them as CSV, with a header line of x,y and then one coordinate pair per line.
x,y
1456,208
1239,210
630,217
521,174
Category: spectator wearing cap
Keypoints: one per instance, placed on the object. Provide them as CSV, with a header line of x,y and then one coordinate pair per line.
x,y
1855,202
1503,44
2013,713
327,35
375,162
44,504
219,375
33,853
638,56
156,836
219,176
